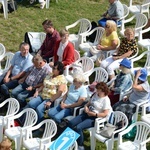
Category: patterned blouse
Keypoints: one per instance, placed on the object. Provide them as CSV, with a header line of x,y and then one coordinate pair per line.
x,y
126,46
51,85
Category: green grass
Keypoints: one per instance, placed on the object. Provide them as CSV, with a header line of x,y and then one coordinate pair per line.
x,y
30,17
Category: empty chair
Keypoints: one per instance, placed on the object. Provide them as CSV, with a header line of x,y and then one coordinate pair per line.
x,y
145,116
7,58
36,39
17,133
140,140
141,8
126,13
13,108
87,66
84,27
146,55
144,42
87,45
50,130
117,117
141,21
2,51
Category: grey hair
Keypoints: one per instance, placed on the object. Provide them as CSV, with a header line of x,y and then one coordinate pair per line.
x,y
80,78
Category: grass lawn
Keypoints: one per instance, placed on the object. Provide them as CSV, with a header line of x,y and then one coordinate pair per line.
x,y
30,17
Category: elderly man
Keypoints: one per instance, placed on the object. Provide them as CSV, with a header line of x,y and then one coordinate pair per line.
x,y
20,62
114,12
47,48
33,79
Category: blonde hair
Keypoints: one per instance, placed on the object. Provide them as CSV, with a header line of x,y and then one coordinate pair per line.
x,y
79,78
63,32
112,25
128,30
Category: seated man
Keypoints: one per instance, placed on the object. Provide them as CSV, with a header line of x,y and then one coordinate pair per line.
x,y
47,48
20,62
114,12
33,79
139,94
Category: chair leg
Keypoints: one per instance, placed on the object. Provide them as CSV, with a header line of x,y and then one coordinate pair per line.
x,y
1,133
18,143
109,144
5,9
47,4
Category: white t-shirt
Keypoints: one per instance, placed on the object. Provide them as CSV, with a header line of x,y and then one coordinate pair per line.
x,y
98,104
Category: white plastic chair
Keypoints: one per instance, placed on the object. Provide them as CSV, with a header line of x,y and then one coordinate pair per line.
x,y
87,66
145,116
143,8
141,21
143,42
141,138
146,55
126,13
84,27
18,132
47,3
5,7
50,130
7,57
86,46
2,51
99,123
13,108
36,40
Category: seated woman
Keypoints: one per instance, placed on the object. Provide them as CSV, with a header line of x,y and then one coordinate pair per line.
x,y
122,82
98,106
128,47
53,87
64,50
109,40
115,12
139,94
75,96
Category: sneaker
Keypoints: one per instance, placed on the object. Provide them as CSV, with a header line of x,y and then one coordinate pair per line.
x,y
32,1
42,5
80,147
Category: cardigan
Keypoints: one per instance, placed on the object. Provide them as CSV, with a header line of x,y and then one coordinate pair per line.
x,y
68,55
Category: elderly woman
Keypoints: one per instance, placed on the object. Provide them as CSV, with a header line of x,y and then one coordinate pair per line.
x,y
109,40
122,82
114,12
139,94
53,87
64,50
98,106
128,47
75,96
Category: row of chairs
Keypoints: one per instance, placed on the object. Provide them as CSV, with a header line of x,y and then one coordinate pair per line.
x,y
23,135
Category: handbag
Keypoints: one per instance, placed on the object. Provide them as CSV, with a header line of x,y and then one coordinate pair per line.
x,y
93,50
108,130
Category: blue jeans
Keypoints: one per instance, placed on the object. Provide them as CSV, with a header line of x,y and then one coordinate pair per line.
x,y
20,93
6,86
80,123
57,113
41,110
